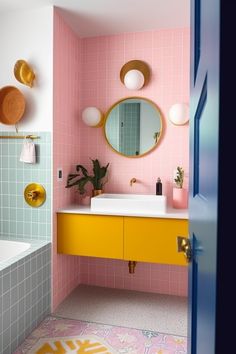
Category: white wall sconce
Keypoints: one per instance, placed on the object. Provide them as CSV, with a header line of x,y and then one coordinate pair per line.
x,y
179,114
135,74
92,117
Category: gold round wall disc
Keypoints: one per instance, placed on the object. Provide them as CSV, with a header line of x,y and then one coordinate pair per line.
x,y
35,194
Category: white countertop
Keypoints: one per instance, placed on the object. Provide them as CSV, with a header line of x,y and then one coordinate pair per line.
x,y
170,214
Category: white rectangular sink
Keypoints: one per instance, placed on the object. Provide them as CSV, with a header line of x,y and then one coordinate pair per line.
x,y
132,203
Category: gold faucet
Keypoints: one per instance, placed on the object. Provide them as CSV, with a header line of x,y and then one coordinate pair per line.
x,y
132,181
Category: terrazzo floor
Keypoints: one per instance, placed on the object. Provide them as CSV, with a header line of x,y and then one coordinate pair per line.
x,y
145,311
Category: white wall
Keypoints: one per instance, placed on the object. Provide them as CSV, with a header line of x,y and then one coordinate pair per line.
x,y
28,35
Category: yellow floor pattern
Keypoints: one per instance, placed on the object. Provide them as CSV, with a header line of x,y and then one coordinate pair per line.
x,y
77,345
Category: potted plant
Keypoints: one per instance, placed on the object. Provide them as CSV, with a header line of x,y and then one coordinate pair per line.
x,y
179,178
180,199
81,178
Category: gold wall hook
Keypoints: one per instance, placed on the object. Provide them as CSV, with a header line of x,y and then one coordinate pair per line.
x,y
35,194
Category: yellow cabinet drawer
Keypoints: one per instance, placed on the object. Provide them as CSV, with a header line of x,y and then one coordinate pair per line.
x,y
90,235
154,240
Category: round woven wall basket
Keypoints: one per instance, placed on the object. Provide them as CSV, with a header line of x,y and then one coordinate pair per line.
x,y
12,105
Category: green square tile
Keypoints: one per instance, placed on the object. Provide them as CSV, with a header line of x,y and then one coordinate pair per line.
x,y
35,215
5,175
5,188
4,149
49,163
20,174
12,150
4,162
48,177
12,162
27,229
49,231
13,227
6,228
42,214
18,163
42,229
13,214
5,201
20,228
12,201
27,214
12,175
20,202
6,214
35,229
42,176
42,150
48,137
20,188
20,215
27,175
43,163
48,216
48,149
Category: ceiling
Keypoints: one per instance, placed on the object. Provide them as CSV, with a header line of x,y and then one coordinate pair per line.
x,y
105,17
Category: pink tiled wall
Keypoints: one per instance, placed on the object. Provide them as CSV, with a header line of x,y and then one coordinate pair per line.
x,y
167,53
66,105
149,277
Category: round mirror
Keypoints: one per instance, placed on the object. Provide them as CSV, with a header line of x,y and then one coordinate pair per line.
x,y
133,126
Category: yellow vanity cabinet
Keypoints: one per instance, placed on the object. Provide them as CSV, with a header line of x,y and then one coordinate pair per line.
x,y
154,239
90,235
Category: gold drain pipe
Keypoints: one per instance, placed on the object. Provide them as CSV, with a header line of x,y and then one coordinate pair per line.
x,y
132,265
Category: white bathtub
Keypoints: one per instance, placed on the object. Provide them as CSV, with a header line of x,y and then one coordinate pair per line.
x,y
9,249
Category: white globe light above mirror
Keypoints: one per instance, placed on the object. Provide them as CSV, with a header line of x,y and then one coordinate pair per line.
x,y
134,80
135,74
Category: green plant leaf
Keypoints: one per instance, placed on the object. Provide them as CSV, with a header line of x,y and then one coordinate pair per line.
x,y
81,184
96,180
83,169
72,176
179,179
71,179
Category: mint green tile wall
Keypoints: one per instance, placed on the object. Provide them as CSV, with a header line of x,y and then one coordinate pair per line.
x,y
18,219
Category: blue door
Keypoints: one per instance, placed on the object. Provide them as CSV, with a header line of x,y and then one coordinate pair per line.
x,y
204,129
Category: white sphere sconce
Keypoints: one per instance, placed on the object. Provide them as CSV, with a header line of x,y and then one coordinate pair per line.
x,y
135,74
134,80
179,114
92,117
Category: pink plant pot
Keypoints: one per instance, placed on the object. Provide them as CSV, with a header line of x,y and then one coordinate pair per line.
x,y
180,198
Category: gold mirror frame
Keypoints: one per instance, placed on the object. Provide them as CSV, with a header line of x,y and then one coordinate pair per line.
x,y
128,98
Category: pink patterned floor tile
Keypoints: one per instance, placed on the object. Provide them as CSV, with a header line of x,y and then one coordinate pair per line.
x,y
59,335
